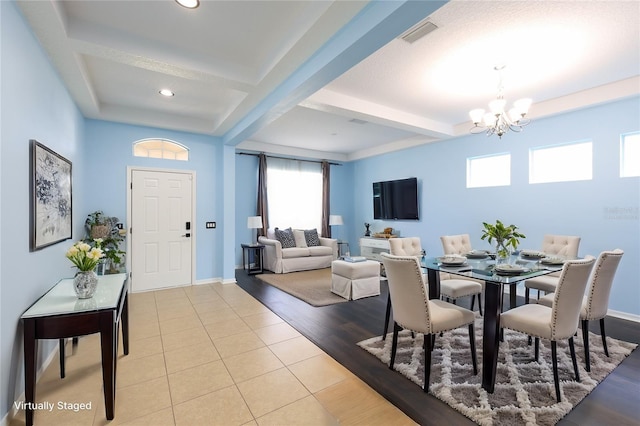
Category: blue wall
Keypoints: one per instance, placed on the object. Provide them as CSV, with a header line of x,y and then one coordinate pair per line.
x,y
110,152
35,105
569,208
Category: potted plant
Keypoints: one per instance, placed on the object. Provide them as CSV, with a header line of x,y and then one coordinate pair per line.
x,y
504,236
103,233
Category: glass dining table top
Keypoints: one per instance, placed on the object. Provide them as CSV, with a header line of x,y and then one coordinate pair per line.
x,y
485,269
61,298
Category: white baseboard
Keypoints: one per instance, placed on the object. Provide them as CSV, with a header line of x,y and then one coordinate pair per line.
x,y
215,280
13,410
229,281
623,315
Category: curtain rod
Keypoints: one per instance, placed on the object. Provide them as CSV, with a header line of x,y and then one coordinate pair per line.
x,y
287,158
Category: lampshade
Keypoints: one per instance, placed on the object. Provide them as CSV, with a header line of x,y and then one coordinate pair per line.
x,y
254,222
335,219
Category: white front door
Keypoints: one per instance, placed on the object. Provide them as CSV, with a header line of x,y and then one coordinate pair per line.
x,y
161,231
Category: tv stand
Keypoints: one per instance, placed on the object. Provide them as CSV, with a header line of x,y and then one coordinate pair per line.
x,y
371,247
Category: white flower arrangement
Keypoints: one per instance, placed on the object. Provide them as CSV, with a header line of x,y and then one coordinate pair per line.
x,y
85,257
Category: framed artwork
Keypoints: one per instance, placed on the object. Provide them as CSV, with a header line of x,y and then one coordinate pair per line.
x,y
51,197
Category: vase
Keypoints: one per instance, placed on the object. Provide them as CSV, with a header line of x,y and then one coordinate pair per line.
x,y
85,284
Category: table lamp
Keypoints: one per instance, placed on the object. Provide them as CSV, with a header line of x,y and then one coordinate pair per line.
x,y
335,219
254,222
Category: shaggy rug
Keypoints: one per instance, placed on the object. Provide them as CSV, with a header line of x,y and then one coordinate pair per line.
x,y
314,287
524,392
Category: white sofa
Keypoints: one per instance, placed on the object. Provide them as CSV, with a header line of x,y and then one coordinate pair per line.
x,y
281,261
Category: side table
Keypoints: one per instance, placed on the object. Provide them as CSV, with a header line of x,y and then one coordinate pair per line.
x,y
253,252
341,251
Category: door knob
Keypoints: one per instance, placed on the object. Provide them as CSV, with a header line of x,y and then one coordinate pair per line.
x,y
186,235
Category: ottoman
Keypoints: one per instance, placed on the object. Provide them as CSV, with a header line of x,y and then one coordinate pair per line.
x,y
355,280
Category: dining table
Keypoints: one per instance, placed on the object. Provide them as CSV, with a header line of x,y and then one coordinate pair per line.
x,y
496,279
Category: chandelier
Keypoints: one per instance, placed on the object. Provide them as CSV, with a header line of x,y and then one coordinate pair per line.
x,y
498,121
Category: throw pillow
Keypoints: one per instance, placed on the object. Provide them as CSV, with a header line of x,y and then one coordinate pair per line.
x,y
311,235
301,241
285,237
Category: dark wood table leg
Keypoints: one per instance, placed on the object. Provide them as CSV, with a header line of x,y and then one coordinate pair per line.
x,y
125,324
491,334
512,296
108,332
434,283
62,357
30,358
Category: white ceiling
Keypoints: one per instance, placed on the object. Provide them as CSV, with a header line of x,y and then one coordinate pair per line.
x,y
262,74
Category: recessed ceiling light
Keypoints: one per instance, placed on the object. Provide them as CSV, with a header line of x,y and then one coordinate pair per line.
x,y
166,92
189,4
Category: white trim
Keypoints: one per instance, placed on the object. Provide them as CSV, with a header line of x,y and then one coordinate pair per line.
x,y
194,227
623,315
206,281
229,281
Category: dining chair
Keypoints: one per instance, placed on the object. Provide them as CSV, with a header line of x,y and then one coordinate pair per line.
x,y
406,246
558,322
558,245
412,310
596,301
455,288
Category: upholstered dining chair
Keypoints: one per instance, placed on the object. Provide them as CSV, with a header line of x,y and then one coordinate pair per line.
x,y
412,310
406,246
453,288
596,301
559,245
558,322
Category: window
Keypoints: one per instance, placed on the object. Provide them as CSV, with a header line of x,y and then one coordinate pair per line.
x,y
561,163
294,191
160,148
630,155
490,170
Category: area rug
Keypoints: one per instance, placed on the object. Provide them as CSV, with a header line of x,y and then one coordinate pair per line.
x,y
313,287
524,391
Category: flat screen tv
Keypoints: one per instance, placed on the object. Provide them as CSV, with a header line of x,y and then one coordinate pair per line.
x,y
396,199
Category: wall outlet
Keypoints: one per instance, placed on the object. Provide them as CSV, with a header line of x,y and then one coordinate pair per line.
x,y
211,225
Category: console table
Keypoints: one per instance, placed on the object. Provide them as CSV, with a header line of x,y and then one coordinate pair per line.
x,y
60,314
371,247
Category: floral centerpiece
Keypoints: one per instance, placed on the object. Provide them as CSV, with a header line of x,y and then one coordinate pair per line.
x,y
85,258
505,237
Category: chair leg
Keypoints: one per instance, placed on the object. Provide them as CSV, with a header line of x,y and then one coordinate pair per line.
x,y
536,350
554,360
572,349
394,344
386,318
427,361
526,295
62,357
585,342
604,337
480,303
473,301
433,341
472,343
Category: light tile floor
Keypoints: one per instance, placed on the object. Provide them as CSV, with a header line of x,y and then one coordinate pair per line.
x,y
211,355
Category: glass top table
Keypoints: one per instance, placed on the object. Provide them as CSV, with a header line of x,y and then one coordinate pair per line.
x,y
61,298
484,270
59,314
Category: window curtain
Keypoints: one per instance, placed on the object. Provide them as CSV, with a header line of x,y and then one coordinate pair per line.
x,y
262,205
326,199
295,193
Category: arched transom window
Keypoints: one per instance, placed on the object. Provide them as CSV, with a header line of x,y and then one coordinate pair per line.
x,y
160,148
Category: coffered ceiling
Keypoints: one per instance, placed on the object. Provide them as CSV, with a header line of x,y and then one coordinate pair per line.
x,y
333,79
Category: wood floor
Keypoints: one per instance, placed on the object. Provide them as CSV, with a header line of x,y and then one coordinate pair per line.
x,y
337,328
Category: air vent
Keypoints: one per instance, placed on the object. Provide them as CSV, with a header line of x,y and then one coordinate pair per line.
x,y
357,121
418,31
